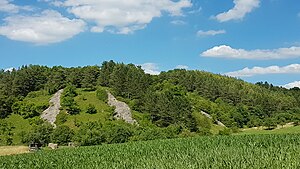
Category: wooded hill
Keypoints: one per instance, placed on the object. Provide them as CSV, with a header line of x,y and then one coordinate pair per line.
x,y
173,98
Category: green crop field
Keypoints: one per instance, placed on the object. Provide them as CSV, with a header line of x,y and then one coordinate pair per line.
x,y
240,152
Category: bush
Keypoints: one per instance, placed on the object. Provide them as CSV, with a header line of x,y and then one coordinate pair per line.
x,y
102,95
70,91
225,131
25,110
270,123
153,133
62,135
61,118
90,134
204,132
116,133
40,134
67,101
74,109
148,133
36,121
94,133
6,133
91,109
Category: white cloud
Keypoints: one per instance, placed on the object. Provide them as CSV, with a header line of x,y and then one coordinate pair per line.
x,y
292,85
181,67
248,72
240,9
7,6
178,22
53,2
224,51
151,68
123,16
195,11
45,28
299,14
210,32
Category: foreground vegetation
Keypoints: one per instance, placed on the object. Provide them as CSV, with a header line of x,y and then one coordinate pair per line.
x,y
235,152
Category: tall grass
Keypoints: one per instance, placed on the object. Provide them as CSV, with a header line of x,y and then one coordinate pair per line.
x,y
234,152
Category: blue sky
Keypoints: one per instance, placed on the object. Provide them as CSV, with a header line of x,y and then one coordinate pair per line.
x,y
256,40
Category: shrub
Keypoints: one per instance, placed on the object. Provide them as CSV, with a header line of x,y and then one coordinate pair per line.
x,y
270,123
40,134
225,131
67,101
25,110
116,133
90,134
6,133
62,135
74,109
36,121
70,91
61,118
102,94
91,109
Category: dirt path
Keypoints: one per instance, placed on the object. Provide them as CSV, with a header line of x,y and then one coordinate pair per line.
x,y
287,125
122,109
53,110
12,150
209,116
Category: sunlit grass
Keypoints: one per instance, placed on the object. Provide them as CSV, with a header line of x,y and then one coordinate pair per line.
x,y
83,99
285,130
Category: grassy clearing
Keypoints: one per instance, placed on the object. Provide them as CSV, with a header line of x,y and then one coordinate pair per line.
x,y
38,98
12,150
284,130
83,99
235,152
20,124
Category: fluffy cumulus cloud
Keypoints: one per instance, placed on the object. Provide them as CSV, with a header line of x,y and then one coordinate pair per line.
x,y
239,11
123,16
45,28
292,85
7,6
248,72
151,68
181,67
224,51
210,32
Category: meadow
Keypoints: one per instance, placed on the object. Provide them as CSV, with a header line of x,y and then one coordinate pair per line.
x,y
235,152
84,99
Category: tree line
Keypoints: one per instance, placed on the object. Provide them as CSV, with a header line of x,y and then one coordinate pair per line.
x,y
170,98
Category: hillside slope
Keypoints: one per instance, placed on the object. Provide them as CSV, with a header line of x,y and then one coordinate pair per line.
x,y
165,106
